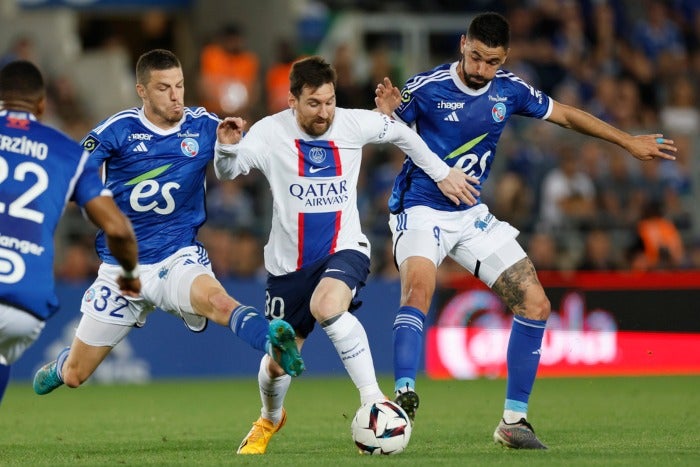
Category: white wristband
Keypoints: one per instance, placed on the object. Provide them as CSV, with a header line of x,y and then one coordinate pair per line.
x,y
133,274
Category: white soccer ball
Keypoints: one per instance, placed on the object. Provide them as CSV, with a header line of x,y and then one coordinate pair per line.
x,y
381,427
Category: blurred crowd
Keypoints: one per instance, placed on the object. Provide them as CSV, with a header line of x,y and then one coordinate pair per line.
x,y
580,203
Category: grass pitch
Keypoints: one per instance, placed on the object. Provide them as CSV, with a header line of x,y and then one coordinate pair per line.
x,y
584,421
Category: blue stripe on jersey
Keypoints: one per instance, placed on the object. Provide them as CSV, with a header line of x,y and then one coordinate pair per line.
x,y
201,112
323,228
318,159
419,81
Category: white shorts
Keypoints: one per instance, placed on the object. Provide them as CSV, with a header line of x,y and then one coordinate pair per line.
x,y
18,331
165,285
474,238
99,333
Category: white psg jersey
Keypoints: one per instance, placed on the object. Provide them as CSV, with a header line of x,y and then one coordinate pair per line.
x,y
314,180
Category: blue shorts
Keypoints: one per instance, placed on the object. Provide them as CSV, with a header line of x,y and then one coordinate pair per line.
x,y
288,296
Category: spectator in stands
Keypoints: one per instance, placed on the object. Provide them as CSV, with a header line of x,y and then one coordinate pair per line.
x,y
680,113
229,75
659,239
660,39
599,253
380,65
543,251
568,195
621,193
277,77
348,93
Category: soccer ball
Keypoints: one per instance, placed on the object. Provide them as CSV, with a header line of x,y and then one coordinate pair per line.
x,y
381,427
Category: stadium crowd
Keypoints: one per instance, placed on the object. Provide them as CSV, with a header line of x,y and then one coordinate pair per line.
x,y
580,204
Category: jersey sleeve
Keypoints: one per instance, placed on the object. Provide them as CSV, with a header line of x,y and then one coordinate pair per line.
x,y
97,145
407,110
88,184
532,102
378,128
232,160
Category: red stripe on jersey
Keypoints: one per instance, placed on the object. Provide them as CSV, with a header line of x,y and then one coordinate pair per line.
x,y
336,156
334,243
300,155
300,232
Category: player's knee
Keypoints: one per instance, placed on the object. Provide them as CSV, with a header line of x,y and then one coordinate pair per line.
x,y
417,295
539,309
324,306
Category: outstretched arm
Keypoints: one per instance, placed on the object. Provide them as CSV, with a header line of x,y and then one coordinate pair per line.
x,y
228,134
121,240
642,147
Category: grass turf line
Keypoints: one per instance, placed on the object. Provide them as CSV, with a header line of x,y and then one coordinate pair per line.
x,y
584,421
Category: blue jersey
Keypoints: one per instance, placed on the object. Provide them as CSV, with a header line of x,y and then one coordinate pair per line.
x,y
41,169
157,177
460,125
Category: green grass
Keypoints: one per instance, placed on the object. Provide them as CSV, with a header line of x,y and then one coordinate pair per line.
x,y
596,421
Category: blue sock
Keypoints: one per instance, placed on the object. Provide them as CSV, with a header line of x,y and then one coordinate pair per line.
x,y
524,349
408,345
247,323
60,360
4,379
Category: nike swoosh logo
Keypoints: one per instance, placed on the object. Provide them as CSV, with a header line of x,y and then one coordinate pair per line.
x,y
334,270
348,351
313,170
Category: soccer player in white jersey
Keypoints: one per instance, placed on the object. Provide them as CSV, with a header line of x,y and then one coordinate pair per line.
x,y
154,161
41,170
460,110
317,256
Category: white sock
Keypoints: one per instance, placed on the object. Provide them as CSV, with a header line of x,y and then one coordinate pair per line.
x,y
511,416
350,340
272,392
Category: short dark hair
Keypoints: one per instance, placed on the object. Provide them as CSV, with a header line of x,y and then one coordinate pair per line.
x,y
313,72
490,28
156,59
21,79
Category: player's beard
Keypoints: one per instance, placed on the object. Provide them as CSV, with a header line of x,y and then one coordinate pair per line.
x,y
169,116
317,127
474,82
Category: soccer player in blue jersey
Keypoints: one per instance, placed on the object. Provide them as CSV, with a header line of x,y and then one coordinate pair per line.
x,y
317,256
460,110
154,160
41,170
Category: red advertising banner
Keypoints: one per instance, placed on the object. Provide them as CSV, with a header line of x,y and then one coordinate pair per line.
x,y
601,324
